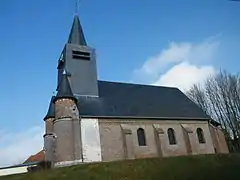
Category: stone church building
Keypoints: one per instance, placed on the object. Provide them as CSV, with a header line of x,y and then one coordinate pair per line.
x,y
91,120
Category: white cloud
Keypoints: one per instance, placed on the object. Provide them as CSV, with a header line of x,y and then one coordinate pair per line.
x,y
184,75
184,63
174,53
17,147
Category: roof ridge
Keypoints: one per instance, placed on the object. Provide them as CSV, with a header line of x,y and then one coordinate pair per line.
x,y
138,84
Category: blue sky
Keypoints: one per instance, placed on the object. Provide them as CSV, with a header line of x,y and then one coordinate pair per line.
x,y
152,42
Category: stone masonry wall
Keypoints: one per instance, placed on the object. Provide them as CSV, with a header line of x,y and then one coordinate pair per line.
x,y
49,140
196,147
66,108
219,140
49,125
49,145
117,135
111,141
223,147
68,131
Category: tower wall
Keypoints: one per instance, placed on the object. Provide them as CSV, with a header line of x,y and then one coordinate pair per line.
x,y
63,129
49,125
49,140
83,72
66,108
49,146
68,132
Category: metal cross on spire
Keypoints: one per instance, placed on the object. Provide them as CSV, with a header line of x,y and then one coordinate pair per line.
x,y
77,6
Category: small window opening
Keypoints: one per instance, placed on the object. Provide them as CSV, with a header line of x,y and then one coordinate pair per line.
x,y
171,136
141,137
200,136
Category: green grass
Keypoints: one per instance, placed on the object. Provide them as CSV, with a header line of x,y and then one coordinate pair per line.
x,y
205,167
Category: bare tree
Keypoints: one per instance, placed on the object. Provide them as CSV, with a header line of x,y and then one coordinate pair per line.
x,y
219,97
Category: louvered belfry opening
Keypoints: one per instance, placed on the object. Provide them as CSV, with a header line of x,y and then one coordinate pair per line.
x,y
81,55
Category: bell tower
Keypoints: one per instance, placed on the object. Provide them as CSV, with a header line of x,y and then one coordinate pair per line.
x,y
79,61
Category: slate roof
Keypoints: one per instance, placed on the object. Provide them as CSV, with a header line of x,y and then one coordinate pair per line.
x,y
64,89
76,35
123,100
51,110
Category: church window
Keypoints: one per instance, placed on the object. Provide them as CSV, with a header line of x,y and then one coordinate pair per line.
x,y
200,136
171,136
141,137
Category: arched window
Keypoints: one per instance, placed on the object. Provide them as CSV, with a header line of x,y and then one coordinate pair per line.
x,y
200,135
141,137
171,136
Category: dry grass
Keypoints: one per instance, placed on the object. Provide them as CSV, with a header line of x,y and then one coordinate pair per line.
x,y
205,167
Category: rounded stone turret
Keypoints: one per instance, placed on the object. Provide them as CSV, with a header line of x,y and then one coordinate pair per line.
x,y
49,125
66,125
66,108
49,139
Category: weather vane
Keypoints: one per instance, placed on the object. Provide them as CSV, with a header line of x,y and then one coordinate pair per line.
x,y
77,6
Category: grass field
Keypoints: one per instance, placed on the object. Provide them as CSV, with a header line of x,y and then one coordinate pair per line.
x,y
202,167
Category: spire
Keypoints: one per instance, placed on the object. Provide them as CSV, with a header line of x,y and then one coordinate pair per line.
x,y
64,90
51,110
76,35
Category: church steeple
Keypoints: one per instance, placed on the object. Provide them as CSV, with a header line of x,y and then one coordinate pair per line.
x,y
76,35
79,60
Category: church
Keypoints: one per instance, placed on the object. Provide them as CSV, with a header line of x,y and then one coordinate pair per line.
x,y
90,120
